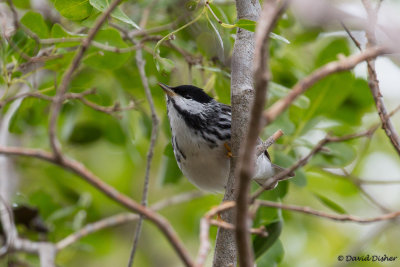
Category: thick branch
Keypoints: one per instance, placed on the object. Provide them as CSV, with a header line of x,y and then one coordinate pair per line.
x,y
269,16
241,99
109,191
122,218
208,220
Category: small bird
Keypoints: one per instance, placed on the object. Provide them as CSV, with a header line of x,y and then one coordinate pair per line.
x,y
201,136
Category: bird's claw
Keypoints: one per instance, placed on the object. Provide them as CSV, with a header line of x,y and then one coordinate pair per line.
x,y
228,148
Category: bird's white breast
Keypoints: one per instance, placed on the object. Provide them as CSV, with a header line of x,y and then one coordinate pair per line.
x,y
206,167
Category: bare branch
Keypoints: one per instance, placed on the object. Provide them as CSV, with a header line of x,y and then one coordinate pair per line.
x,y
269,15
154,131
271,182
123,218
269,142
204,232
79,96
333,67
17,25
108,110
99,45
205,223
361,181
241,99
47,255
335,217
109,191
57,103
373,81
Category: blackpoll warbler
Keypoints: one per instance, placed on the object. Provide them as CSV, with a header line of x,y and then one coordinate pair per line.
x,y
201,134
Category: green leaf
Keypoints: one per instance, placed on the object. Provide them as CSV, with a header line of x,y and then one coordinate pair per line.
x,y
113,131
329,185
102,5
169,151
299,178
165,126
222,88
164,65
29,113
220,42
286,161
35,22
266,216
101,59
85,133
207,44
283,123
191,5
62,213
273,256
60,64
170,172
247,24
279,38
250,25
262,244
331,51
330,204
334,155
22,4
57,31
74,9
24,43
280,91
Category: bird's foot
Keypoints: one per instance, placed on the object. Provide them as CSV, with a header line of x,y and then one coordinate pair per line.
x,y
228,149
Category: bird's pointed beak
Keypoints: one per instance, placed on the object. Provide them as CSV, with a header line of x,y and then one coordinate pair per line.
x,y
167,89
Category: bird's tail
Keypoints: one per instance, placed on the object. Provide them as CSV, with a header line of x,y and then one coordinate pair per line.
x,y
276,170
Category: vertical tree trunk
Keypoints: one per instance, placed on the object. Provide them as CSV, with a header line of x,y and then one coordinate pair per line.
x,y
241,100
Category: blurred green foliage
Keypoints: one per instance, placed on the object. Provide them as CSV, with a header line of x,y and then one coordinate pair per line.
x,y
115,148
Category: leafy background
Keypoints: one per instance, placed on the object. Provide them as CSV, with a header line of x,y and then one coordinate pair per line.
x,y
115,148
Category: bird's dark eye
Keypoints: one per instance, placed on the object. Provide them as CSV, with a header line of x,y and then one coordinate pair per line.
x,y
188,96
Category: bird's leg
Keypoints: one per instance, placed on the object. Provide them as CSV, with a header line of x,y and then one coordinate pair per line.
x,y
228,149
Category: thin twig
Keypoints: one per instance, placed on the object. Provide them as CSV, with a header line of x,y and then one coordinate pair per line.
x,y
271,182
78,96
361,181
99,45
122,218
333,67
17,25
335,217
160,28
373,81
269,142
212,12
154,131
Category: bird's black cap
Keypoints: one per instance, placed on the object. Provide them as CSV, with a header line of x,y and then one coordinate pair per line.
x,y
189,92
